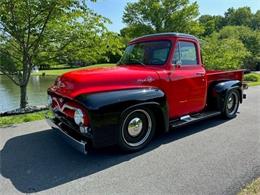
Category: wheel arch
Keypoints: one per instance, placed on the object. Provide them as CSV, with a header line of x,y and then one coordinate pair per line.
x,y
219,90
160,113
105,109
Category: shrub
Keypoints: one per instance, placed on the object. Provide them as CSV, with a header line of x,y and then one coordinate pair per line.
x,y
251,77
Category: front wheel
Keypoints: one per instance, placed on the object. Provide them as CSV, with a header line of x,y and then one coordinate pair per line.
x,y
231,104
136,130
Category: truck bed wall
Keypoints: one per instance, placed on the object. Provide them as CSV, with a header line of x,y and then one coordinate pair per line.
x,y
215,76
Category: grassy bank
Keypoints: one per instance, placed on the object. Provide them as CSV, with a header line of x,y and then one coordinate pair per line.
x,y
61,71
21,118
252,188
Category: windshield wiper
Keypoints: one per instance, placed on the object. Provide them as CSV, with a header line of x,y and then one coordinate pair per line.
x,y
130,62
138,61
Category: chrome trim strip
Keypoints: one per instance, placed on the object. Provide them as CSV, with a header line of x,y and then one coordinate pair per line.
x,y
193,119
64,106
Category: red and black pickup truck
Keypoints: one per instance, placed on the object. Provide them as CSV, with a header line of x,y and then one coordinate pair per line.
x,y
160,82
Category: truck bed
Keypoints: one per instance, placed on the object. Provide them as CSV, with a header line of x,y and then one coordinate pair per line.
x,y
219,75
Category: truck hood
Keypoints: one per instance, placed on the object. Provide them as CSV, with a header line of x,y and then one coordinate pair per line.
x,y
86,81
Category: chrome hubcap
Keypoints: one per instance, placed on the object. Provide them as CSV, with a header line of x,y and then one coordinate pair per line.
x,y
230,102
135,127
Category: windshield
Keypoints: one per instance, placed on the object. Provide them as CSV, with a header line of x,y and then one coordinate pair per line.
x,y
146,53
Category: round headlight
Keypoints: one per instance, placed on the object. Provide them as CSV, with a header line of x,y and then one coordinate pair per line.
x,y
49,100
78,117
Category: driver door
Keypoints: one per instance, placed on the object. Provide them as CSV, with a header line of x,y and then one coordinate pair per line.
x,y
187,80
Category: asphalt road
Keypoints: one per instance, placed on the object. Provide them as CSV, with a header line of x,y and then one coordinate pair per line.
x,y
211,157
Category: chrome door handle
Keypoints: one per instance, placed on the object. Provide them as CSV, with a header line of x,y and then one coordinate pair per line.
x,y
200,73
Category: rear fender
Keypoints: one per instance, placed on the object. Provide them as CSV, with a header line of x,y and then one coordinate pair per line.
x,y
220,90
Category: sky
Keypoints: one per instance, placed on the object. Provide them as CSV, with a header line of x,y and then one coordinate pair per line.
x,y
114,9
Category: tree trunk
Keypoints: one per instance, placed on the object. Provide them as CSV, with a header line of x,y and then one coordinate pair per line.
x,y
23,96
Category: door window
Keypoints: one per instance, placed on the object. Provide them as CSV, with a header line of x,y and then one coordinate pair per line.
x,y
185,54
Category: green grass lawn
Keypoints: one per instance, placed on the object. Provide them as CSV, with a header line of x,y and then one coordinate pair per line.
x,y
61,71
252,79
252,188
21,118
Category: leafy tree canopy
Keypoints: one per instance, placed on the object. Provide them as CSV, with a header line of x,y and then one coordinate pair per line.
x,y
223,54
237,24
250,39
153,16
35,31
211,23
239,17
242,16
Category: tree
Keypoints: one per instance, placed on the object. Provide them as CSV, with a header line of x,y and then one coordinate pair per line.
x,y
249,38
211,23
223,54
256,21
86,40
31,30
238,24
239,17
233,17
154,16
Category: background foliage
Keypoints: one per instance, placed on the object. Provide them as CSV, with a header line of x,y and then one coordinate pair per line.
x,y
33,32
238,30
50,32
154,16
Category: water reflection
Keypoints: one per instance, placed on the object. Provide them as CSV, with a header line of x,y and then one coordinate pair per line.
x,y
10,93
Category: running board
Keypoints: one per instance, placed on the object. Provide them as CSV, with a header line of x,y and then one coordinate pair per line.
x,y
184,120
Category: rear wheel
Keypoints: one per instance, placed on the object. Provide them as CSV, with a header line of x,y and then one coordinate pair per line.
x,y
231,104
136,130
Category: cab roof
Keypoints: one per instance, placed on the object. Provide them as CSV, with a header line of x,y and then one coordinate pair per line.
x,y
173,34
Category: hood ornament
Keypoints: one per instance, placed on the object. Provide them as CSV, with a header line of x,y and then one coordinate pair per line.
x,y
61,100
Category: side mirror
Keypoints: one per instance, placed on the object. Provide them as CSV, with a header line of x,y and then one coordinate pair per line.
x,y
178,64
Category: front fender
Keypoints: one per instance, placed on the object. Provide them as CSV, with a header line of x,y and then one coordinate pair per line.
x,y
105,109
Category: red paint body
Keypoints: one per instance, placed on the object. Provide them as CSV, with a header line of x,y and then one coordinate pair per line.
x,y
185,86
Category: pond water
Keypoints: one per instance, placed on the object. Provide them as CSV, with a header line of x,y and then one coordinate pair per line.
x,y
36,91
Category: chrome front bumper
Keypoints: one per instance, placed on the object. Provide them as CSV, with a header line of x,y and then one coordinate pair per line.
x,y
79,145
